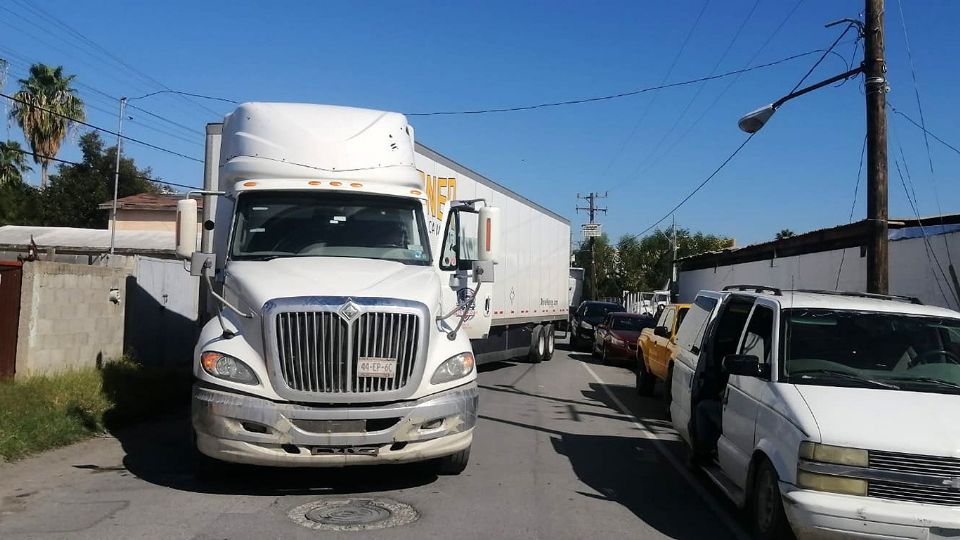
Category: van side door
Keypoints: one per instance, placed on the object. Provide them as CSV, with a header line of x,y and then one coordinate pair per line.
x,y
690,337
742,396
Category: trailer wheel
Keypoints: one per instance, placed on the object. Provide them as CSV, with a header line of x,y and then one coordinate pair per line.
x,y
551,339
454,464
538,346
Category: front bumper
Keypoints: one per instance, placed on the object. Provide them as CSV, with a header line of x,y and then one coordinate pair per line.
x,y
819,515
246,429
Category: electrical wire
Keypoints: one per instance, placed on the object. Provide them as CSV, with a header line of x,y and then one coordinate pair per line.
x,y
76,164
104,130
619,94
925,130
853,206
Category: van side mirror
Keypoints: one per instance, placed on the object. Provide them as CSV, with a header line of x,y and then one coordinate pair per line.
x,y
747,365
488,239
186,228
661,331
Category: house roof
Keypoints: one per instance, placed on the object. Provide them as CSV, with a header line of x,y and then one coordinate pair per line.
x,y
843,236
75,240
149,201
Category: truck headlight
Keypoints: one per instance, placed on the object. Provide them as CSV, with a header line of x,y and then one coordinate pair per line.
x,y
838,455
453,368
228,368
832,484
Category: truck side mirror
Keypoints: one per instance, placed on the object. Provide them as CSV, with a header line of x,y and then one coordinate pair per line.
x,y
186,232
747,365
488,239
661,331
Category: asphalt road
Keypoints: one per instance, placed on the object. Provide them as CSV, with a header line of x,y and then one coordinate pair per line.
x,y
563,449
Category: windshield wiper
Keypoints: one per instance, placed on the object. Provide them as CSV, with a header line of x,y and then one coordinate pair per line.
x,y
845,375
929,380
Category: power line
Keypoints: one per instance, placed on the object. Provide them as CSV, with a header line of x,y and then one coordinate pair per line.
x,y
104,130
619,94
925,130
76,164
853,206
214,98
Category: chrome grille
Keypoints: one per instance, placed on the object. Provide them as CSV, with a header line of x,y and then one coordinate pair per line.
x,y
913,493
319,352
910,463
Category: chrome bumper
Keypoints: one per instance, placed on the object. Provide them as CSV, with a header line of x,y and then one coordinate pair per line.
x,y
246,429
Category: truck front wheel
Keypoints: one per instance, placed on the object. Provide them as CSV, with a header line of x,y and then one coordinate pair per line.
x,y
454,464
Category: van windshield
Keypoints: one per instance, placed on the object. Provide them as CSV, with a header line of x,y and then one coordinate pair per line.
x,y
317,224
870,349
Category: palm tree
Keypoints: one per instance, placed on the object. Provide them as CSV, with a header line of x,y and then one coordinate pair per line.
x,y
13,162
47,89
784,233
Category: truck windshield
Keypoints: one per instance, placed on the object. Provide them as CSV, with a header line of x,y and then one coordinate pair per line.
x,y
870,349
317,224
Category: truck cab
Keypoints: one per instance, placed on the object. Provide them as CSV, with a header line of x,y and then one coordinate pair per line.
x,y
823,412
342,325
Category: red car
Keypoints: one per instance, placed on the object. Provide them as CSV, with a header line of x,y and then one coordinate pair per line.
x,y
616,337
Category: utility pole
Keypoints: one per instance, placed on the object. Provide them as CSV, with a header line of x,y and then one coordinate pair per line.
x,y
592,210
674,290
875,69
116,177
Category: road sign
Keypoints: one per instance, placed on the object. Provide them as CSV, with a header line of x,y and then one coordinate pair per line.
x,y
590,230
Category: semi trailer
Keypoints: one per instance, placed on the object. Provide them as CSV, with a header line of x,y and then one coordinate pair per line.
x,y
354,279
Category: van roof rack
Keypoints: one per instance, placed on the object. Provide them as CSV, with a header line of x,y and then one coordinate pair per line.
x,y
754,288
892,297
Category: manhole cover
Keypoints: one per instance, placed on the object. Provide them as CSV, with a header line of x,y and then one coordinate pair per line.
x,y
353,514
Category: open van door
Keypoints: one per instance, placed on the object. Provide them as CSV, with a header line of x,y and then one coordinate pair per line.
x,y
690,337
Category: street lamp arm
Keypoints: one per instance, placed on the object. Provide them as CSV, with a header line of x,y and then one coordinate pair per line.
x,y
837,78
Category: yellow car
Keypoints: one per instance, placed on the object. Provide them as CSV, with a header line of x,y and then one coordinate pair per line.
x,y
656,348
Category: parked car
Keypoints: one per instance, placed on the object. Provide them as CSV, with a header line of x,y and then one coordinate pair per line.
x,y
655,350
589,314
831,413
616,337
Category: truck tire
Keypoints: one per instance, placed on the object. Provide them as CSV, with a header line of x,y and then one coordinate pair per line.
x,y
454,464
538,346
645,379
551,341
767,517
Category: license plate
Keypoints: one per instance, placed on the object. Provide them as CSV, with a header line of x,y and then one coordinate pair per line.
x,y
382,368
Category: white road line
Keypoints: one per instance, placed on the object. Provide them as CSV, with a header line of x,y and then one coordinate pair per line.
x,y
705,495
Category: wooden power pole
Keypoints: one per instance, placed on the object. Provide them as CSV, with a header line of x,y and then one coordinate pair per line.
x,y
875,70
592,210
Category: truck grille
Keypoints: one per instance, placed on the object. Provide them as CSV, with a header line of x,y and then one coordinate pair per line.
x,y
318,351
913,493
910,463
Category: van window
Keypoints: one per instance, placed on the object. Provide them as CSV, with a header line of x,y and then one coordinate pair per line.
x,y
690,334
759,336
730,326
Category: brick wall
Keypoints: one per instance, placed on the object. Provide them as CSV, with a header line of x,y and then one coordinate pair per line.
x,y
67,318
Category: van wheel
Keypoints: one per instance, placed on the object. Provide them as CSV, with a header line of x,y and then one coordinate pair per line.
x,y
766,505
667,387
454,464
645,380
538,345
550,341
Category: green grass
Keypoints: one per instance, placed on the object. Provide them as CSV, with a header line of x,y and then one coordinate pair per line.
x,y
39,413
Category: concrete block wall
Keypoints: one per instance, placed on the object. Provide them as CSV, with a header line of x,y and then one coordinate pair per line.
x,y
67,317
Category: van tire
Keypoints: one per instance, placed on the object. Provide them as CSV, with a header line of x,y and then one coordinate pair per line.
x,y
550,338
767,518
537,345
454,464
645,379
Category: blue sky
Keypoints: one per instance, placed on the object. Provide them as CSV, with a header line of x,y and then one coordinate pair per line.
x,y
798,173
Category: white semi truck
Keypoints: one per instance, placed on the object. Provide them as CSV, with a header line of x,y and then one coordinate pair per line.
x,y
355,279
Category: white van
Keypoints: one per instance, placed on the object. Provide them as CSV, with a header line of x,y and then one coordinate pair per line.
x,y
834,414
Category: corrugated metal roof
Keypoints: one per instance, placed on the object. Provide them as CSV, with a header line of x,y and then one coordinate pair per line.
x,y
69,239
148,201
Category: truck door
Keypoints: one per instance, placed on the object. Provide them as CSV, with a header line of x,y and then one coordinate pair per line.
x,y
741,400
458,251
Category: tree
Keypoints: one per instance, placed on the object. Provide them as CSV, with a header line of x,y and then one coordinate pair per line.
x,y
13,162
46,89
605,259
784,233
75,191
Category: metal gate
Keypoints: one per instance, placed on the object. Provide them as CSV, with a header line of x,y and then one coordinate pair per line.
x,y
10,278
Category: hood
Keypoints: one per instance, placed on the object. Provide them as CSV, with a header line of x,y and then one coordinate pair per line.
x,y
890,420
629,336
260,281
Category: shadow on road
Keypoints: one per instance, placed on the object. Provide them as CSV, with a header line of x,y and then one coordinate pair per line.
x,y
162,454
